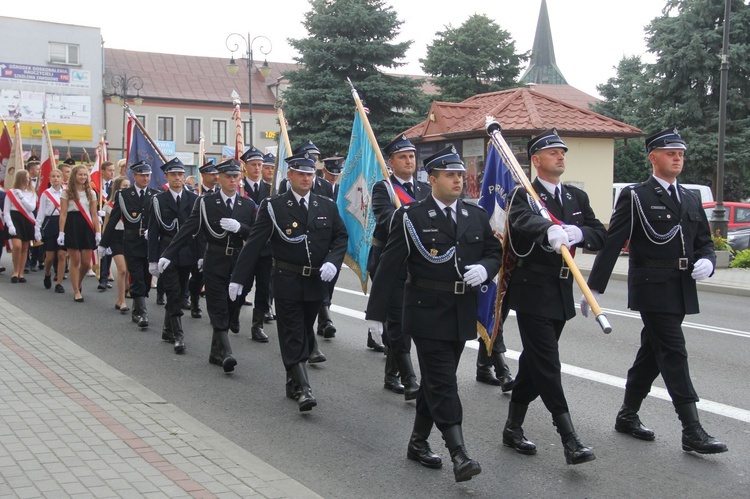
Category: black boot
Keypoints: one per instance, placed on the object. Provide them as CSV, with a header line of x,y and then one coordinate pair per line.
x,y
372,344
167,333
228,361
292,390
627,421
484,367
419,448
195,307
408,378
326,329
694,437
135,315
316,356
575,451
143,319
513,436
391,381
502,371
306,401
179,335
256,332
463,466
160,298
217,355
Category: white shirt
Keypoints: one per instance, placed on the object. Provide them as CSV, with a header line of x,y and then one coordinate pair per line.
x,y
224,198
551,188
46,206
306,197
27,200
176,193
666,185
444,206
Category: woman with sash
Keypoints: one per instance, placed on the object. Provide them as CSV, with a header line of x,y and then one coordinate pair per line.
x,y
80,230
18,214
116,246
48,225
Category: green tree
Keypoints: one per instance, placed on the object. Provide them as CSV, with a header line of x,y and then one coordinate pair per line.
x,y
349,39
477,57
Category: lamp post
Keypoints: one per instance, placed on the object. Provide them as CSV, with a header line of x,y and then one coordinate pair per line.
x,y
233,67
121,84
718,220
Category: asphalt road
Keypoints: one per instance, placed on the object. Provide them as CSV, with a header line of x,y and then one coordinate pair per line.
x,y
354,443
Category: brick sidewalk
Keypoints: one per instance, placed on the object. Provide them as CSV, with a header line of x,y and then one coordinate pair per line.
x,y
70,425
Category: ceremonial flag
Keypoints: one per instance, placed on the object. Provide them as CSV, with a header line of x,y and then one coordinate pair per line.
x,y
497,185
361,172
283,151
6,146
142,149
15,162
99,159
48,160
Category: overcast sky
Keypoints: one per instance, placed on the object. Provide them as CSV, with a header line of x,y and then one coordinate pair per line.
x,y
590,36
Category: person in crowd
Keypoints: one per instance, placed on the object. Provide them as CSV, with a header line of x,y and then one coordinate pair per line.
x,y
116,247
105,262
18,214
48,225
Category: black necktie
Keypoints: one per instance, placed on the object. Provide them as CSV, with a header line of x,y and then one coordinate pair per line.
x,y
673,193
255,188
557,196
177,201
229,204
408,187
140,196
302,204
449,214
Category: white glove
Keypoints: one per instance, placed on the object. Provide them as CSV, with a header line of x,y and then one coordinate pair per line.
x,y
12,230
230,224
37,234
585,307
108,251
145,234
375,328
200,264
101,213
327,272
153,269
98,237
60,239
163,264
575,234
557,237
475,275
101,251
702,269
235,290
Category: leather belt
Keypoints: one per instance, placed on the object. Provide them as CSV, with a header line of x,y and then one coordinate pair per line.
x,y
559,272
135,232
672,264
223,250
300,269
455,287
377,243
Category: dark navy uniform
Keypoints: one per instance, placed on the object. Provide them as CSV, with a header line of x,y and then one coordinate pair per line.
x,y
668,239
170,210
133,207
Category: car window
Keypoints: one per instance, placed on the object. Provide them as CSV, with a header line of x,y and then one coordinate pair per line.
x,y
742,214
710,212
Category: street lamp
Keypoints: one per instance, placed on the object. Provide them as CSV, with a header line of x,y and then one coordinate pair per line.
x,y
233,67
121,84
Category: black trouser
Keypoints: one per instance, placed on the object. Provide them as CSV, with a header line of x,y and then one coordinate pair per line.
x,y
295,321
104,265
220,308
398,340
330,287
261,278
196,283
175,282
140,278
539,364
438,392
662,352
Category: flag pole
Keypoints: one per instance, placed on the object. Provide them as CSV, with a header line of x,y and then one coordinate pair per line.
x,y
494,131
201,154
373,141
287,144
144,132
239,146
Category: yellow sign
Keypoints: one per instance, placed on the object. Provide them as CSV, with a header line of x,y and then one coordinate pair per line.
x,y
269,135
58,132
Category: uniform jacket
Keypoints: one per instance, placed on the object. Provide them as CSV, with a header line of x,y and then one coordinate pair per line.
x,y
656,289
264,190
321,187
428,313
159,236
134,242
327,240
216,259
539,293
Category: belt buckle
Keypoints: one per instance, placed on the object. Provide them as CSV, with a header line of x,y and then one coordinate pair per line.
x,y
682,263
228,251
306,271
564,272
459,287
141,232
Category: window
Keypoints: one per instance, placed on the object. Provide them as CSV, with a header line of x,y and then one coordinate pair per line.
x,y
192,131
165,128
141,119
63,53
246,135
219,132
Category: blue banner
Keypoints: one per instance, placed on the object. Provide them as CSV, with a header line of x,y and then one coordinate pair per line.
x,y
142,150
361,172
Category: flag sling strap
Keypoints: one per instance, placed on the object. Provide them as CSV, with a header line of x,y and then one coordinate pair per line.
x,y
20,207
85,214
55,203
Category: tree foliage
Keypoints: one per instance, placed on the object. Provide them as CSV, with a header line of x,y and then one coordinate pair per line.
x,y
477,57
349,39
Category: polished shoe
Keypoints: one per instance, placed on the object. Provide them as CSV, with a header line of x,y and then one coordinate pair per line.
x,y
78,300
143,321
269,317
160,299
234,326
59,288
22,279
316,356
575,451
502,371
175,323
463,466
292,390
102,286
195,309
694,437
418,448
306,401
485,375
391,380
326,329
256,331
513,436
375,346
228,361
185,305
14,279
47,281
408,378
627,421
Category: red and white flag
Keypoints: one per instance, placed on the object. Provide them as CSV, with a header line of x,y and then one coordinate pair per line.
x,y
48,161
101,157
6,146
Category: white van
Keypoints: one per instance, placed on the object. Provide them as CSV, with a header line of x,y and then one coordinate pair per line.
x,y
703,191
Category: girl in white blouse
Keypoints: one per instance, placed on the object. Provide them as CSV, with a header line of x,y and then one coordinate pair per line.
x,y
79,226
18,215
48,226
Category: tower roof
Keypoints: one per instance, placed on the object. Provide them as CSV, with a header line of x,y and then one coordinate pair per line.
x,y
542,67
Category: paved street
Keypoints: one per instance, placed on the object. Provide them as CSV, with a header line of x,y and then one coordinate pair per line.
x,y
93,407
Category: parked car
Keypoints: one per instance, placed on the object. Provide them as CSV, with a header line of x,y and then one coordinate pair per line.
x,y
739,239
737,214
703,191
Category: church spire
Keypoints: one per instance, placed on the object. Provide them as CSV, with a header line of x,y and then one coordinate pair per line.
x,y
542,67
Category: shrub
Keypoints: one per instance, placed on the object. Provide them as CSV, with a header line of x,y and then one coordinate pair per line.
x,y
720,243
741,260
